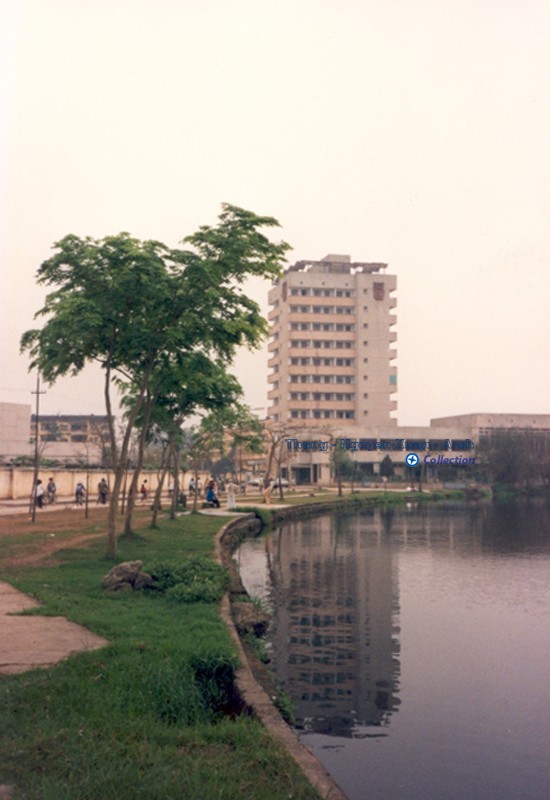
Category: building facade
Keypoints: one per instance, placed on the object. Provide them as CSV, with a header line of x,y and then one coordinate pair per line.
x,y
72,437
330,348
15,439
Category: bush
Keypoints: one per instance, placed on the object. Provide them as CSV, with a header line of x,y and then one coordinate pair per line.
x,y
194,580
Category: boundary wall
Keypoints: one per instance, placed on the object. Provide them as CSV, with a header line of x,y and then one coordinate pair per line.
x,y
16,482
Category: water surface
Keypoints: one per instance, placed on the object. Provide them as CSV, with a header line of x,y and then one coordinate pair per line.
x,y
415,644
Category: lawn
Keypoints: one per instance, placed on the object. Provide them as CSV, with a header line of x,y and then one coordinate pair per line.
x,y
153,715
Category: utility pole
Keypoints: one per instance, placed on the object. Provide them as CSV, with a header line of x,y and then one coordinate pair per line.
x,y
37,392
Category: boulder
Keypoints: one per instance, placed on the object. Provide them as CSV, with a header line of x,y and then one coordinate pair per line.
x,y
250,619
122,575
144,581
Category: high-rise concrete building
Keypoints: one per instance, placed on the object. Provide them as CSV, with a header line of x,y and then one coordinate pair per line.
x,y
331,345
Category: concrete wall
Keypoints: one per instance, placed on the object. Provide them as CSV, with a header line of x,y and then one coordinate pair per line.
x,y
16,482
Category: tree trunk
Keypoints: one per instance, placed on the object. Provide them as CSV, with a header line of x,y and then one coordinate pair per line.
x,y
132,493
175,482
158,491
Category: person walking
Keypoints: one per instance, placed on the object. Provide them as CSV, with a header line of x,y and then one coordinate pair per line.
x,y
143,492
51,489
79,493
232,489
39,493
102,491
267,491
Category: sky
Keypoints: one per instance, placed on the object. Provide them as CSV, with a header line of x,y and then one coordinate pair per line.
x,y
410,132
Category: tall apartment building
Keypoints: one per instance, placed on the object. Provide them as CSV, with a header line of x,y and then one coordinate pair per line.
x,y
331,344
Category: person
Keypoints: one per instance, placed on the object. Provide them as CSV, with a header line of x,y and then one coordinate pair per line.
x,y
102,490
79,493
211,495
191,487
51,490
39,493
143,492
199,487
171,488
232,489
267,491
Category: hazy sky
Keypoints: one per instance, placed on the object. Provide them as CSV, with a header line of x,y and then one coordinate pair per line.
x,y
414,132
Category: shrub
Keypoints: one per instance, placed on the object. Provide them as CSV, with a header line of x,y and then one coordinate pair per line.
x,y
194,580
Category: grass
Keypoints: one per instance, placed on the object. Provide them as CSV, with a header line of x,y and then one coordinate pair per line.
x,y
153,715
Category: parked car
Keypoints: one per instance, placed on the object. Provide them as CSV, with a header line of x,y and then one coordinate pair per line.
x,y
255,482
284,483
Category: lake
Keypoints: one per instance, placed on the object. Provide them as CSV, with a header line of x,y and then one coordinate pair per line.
x,y
415,645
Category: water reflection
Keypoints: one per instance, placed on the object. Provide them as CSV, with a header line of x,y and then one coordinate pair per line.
x,y
333,583
334,636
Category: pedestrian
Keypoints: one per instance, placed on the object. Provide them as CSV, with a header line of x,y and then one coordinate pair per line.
x,y
267,491
199,487
191,487
79,493
143,492
39,493
102,491
51,490
232,489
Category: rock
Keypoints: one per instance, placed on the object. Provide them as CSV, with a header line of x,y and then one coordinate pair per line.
x,y
122,575
250,619
144,581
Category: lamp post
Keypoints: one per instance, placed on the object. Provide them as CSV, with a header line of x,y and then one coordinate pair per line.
x,y
37,392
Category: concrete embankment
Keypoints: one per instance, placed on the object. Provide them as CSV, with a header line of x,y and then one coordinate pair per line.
x,y
250,689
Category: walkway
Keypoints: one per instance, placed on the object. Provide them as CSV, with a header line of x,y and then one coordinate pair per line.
x,y
27,642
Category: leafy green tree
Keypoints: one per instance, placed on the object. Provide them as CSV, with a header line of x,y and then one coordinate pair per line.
x,y
342,465
516,458
221,430
386,467
140,309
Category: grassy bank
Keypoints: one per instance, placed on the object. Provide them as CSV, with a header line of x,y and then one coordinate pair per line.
x,y
153,715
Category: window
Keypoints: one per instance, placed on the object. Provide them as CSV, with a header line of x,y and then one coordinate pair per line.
x,y
378,291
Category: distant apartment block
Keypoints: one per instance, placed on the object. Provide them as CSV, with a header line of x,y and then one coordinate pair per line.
x,y
330,348
68,437
14,430
479,426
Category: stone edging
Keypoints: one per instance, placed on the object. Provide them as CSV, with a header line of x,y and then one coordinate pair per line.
x,y
254,695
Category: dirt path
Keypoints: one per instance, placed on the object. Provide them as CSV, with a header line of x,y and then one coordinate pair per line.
x,y
38,542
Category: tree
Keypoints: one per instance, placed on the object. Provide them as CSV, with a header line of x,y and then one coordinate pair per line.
x,y
140,309
516,458
342,465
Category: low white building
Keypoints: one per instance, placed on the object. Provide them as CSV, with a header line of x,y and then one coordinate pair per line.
x,y
15,430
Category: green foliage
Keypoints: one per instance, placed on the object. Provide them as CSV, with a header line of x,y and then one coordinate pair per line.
x,y
194,580
150,716
285,706
386,467
264,514
258,646
164,324
516,459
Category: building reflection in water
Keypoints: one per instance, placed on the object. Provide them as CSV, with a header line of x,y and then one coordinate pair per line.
x,y
335,631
